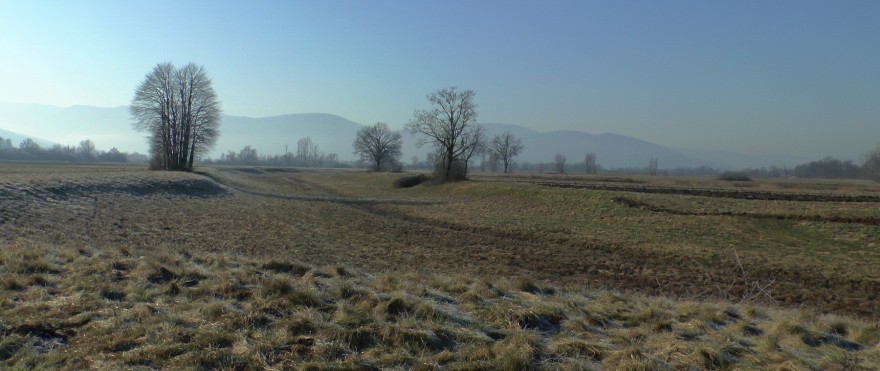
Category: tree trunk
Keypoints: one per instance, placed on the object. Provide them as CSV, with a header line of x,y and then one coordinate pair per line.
x,y
448,175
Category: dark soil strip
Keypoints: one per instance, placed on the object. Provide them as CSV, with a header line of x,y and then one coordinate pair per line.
x,y
199,188
720,193
809,218
329,199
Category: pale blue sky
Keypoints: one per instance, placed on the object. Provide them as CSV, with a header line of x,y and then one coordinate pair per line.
x,y
792,77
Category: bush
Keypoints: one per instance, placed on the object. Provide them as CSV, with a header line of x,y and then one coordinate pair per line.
x,y
457,172
396,167
410,181
736,176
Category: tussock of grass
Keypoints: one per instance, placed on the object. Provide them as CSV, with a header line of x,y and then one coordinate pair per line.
x,y
107,309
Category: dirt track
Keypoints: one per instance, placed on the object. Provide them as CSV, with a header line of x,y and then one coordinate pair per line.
x,y
719,193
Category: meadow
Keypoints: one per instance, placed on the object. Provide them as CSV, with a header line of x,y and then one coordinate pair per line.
x,y
255,268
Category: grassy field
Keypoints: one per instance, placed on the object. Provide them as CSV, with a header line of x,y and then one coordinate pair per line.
x,y
251,268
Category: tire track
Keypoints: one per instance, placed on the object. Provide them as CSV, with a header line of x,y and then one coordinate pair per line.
x,y
808,218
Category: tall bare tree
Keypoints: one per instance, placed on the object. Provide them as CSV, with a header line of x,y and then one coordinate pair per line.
x,y
306,152
29,145
86,149
449,125
475,142
652,166
248,155
559,163
590,165
379,145
871,166
505,147
179,109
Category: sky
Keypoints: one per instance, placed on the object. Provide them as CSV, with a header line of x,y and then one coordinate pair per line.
x,y
760,77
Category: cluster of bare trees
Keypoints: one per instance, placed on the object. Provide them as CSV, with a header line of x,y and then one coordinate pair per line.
x,y
450,126
307,154
178,108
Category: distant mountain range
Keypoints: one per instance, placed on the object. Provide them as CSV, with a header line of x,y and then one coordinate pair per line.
x,y
16,138
110,127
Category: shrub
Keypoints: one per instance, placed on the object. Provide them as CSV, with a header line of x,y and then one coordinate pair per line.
x,y
457,172
734,176
410,181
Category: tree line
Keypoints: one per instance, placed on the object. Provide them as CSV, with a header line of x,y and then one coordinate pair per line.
x,y
307,154
826,168
30,150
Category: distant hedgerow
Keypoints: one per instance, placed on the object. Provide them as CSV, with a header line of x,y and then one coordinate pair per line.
x,y
736,176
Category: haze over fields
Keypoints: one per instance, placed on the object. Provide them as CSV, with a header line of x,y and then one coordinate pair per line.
x,y
717,84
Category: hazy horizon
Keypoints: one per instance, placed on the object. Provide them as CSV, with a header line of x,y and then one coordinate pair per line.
x,y
788,77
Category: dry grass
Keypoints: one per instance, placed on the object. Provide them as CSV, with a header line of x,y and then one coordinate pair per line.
x,y
587,235
264,268
105,309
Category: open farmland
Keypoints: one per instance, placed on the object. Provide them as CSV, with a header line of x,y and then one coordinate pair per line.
x,y
267,267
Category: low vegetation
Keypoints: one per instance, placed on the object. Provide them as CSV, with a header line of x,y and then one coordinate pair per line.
x,y
94,308
410,181
254,267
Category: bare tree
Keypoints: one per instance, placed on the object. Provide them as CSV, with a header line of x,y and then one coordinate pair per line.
x,y
86,149
652,166
229,156
505,147
493,163
431,159
306,152
476,144
248,155
449,126
559,163
379,145
180,111
29,145
871,166
590,165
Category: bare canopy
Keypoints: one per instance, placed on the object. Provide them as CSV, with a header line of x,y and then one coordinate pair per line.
x,y
379,145
178,108
505,147
559,163
449,126
590,165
